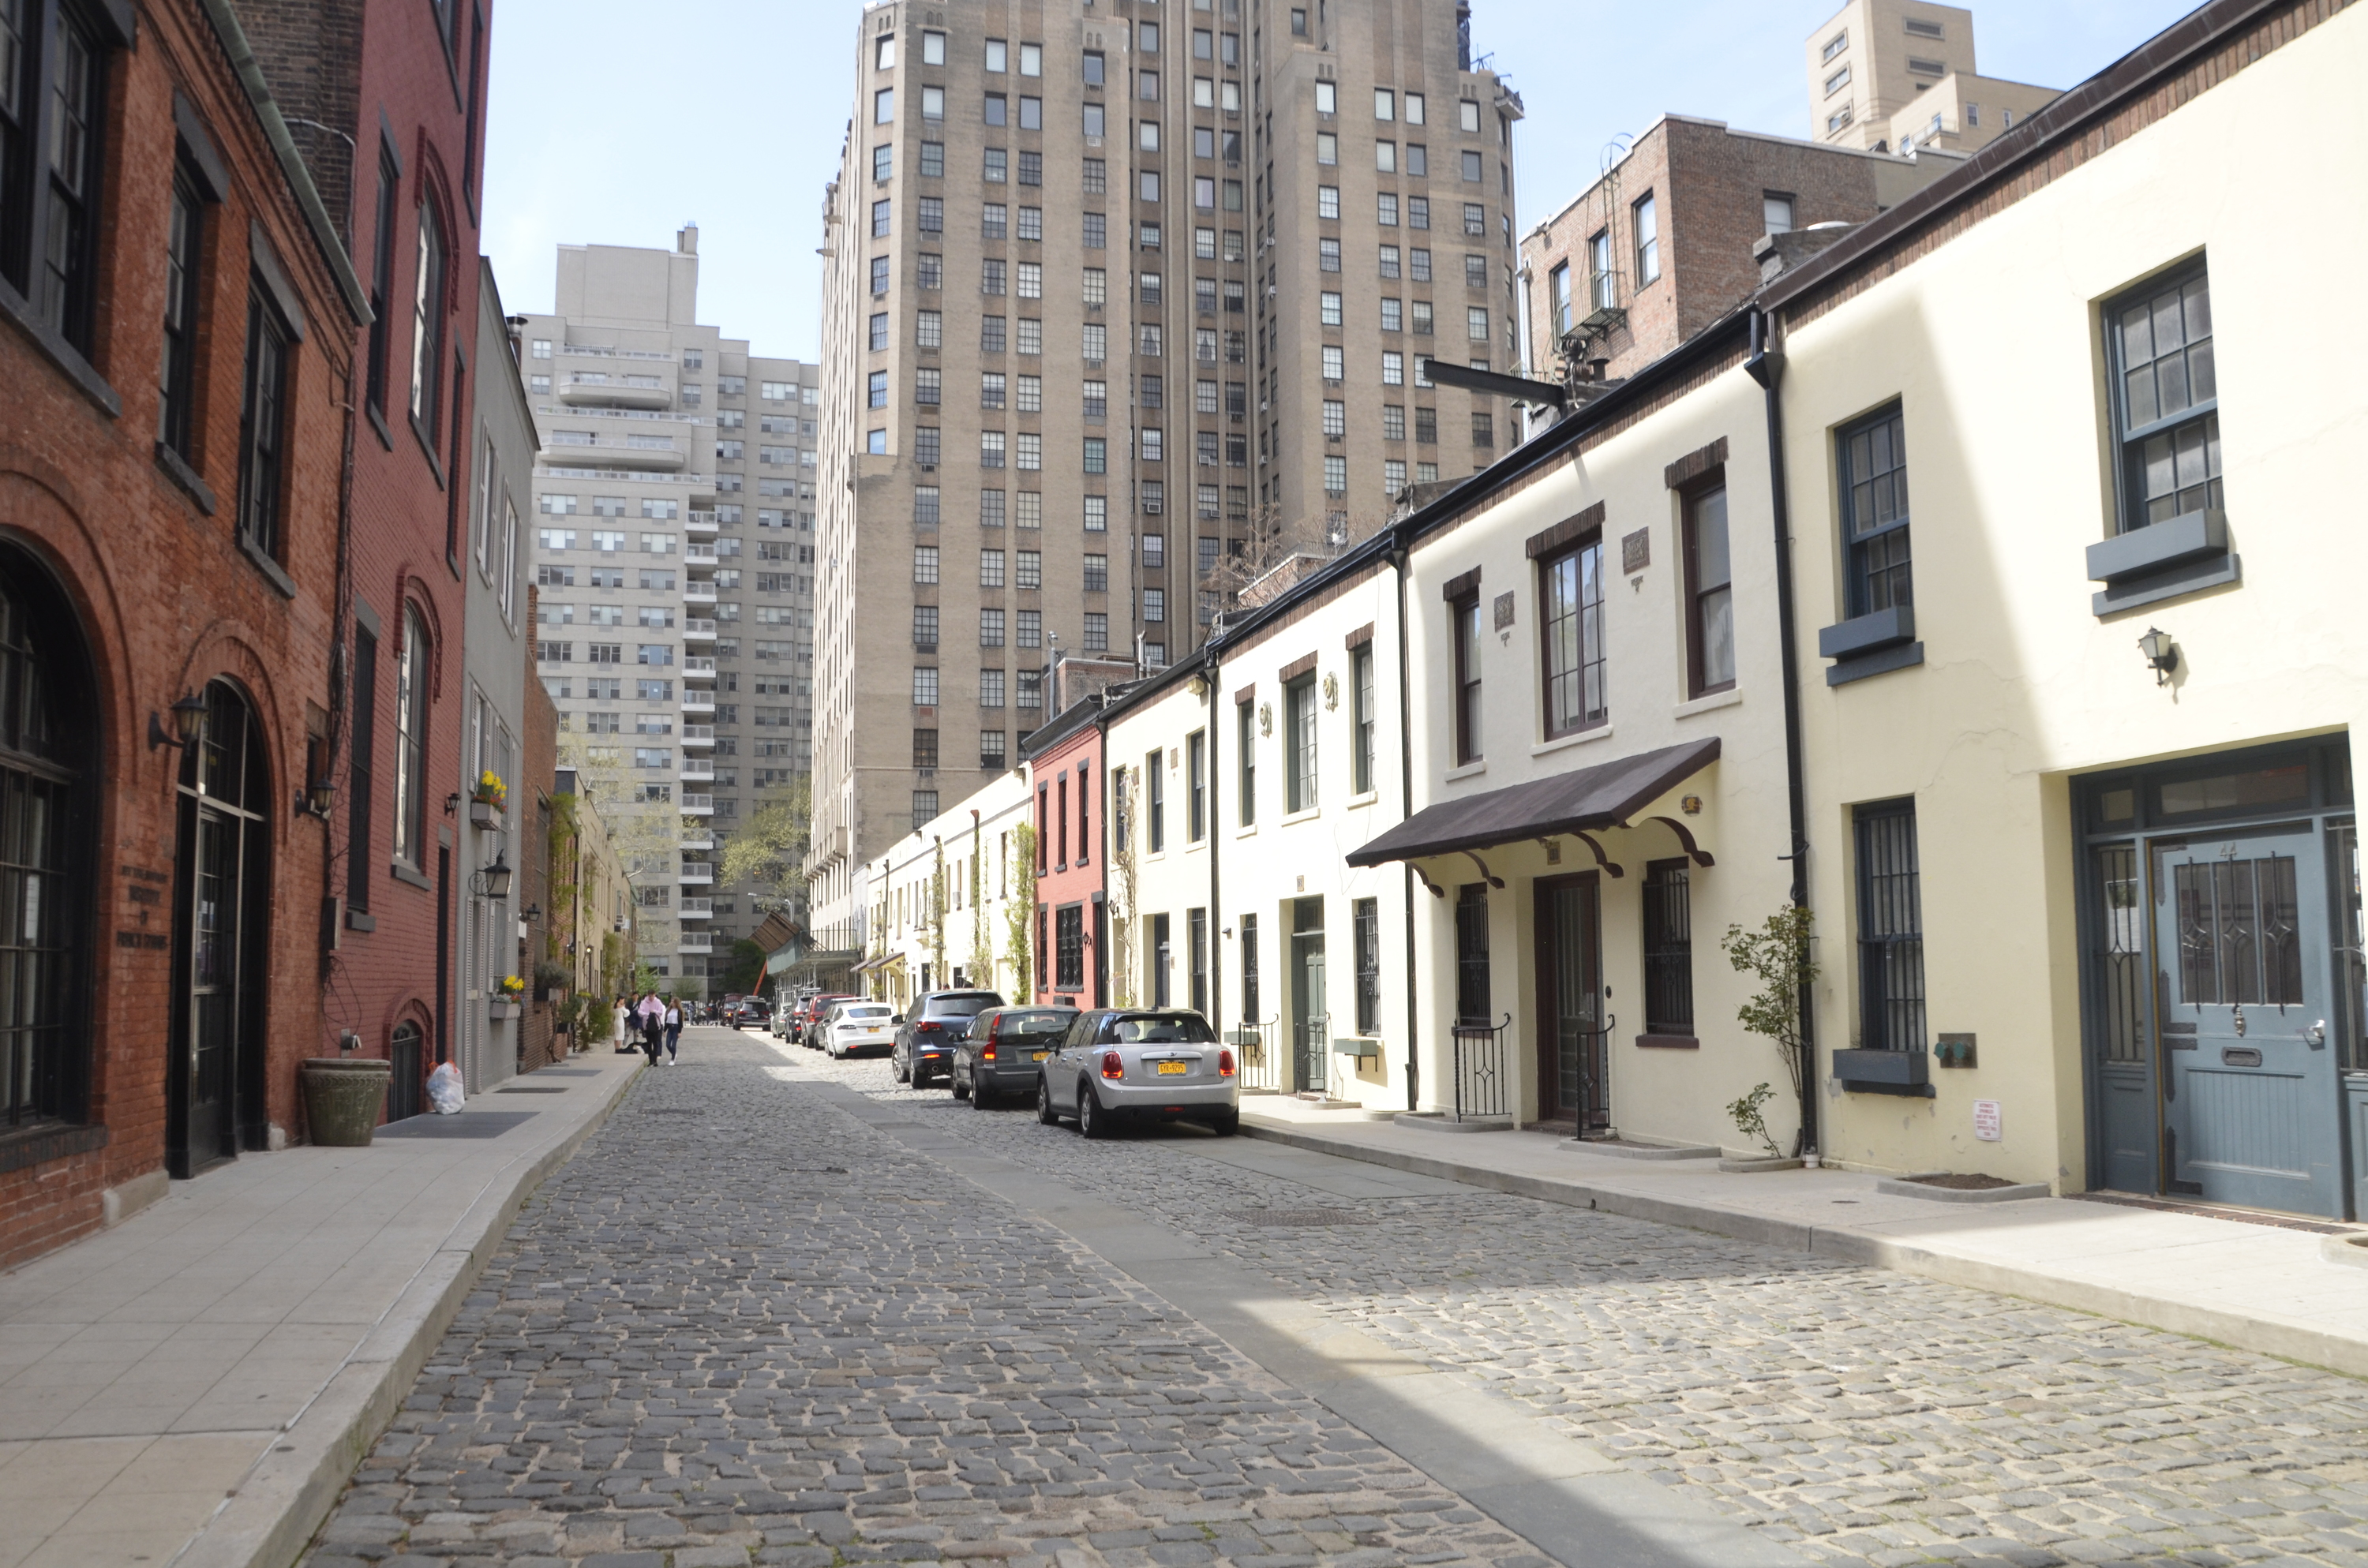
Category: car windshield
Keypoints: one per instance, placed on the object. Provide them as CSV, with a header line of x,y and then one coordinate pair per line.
x,y
1033,1022
1161,1028
963,1006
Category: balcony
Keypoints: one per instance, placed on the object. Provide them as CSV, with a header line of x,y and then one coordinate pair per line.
x,y
654,452
699,666
614,394
697,771
696,838
695,872
698,629
698,592
698,735
694,942
699,554
699,703
700,525
695,908
698,805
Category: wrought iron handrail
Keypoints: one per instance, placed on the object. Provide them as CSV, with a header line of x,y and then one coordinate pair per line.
x,y
1479,1052
1259,1067
1315,1053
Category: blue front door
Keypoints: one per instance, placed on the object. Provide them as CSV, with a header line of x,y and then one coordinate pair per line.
x,y
2250,1073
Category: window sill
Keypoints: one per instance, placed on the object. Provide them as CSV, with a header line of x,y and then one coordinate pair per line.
x,y
360,920
1709,704
1578,738
435,464
1248,830
268,567
67,358
2144,566
1469,771
1357,802
1884,1073
378,422
178,470
1871,644
403,873
1309,815
1668,1043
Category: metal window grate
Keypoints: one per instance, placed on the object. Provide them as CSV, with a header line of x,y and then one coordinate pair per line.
x,y
1891,929
1668,948
2121,953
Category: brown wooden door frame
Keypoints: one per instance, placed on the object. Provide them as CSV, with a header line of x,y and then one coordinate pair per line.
x,y
1549,1006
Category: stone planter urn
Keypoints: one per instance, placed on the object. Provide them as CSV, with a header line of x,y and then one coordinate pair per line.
x,y
344,1096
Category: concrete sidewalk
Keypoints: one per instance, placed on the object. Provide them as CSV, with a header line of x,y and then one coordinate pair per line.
x,y
194,1387
2256,1287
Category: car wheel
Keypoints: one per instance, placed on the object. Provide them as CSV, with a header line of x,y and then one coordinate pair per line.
x,y
1044,1111
1228,1124
897,1069
980,1098
1092,1119
960,1090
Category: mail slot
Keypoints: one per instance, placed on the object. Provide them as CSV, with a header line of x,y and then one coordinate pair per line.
x,y
2240,1056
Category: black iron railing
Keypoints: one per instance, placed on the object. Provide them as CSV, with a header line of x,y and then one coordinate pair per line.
x,y
1261,1064
1584,1055
1482,1084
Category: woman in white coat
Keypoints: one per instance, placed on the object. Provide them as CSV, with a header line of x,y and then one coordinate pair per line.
x,y
620,1032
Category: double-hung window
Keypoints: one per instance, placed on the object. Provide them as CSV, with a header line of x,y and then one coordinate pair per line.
x,y
1245,750
177,377
54,60
262,423
1299,744
2167,400
1710,593
1155,815
1365,922
1874,456
1570,619
1362,719
411,683
1196,786
1890,928
1463,629
427,326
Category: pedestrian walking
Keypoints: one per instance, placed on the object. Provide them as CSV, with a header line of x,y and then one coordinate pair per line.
x,y
672,1028
652,1018
621,1026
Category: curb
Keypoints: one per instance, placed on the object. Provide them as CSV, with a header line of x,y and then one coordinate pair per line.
x,y
2289,1342
1895,1187
279,1505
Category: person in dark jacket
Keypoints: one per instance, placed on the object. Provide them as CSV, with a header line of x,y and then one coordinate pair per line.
x,y
652,1014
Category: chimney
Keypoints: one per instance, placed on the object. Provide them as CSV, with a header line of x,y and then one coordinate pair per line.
x,y
686,240
1776,252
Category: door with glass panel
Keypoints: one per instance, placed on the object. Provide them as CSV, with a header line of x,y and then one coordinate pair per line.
x,y
1573,1065
215,1089
2246,1020
2351,1027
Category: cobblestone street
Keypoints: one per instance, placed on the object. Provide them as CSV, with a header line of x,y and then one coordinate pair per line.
x,y
743,1326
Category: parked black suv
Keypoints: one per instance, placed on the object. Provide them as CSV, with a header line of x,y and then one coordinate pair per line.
x,y
1000,1053
926,1034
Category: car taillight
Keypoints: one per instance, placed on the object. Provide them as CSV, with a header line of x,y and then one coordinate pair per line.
x,y
986,1052
1224,1064
927,1028
1112,1067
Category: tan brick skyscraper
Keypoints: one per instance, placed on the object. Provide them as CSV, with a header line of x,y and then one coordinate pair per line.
x,y
1108,295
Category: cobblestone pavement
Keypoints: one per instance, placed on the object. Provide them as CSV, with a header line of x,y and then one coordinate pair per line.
x,y
740,1327
1865,1416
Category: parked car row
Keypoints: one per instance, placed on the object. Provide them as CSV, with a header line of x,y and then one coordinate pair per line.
x,y
1099,1067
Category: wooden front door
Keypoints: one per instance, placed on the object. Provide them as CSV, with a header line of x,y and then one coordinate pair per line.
x,y
1572,1024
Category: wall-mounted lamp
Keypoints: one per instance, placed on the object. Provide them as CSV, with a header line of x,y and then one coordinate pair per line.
x,y
494,881
317,797
531,912
189,723
2161,654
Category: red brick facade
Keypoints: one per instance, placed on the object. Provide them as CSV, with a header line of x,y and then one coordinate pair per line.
x,y
139,556
1064,771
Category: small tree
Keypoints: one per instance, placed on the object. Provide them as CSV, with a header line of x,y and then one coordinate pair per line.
x,y
938,915
982,939
769,848
1780,957
1122,875
1020,910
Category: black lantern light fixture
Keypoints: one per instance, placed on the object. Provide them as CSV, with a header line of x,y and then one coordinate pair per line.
x,y
2161,654
189,723
494,881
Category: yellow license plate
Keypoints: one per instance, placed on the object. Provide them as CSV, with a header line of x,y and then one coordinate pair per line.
x,y
1038,1056
1174,1069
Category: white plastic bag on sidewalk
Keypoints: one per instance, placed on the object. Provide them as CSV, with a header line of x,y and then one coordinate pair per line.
x,y
444,1089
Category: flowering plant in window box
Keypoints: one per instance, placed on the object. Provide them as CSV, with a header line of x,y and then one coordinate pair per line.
x,y
486,801
507,993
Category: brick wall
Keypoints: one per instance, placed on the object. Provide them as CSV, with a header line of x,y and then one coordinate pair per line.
x,y
310,54
167,601
539,749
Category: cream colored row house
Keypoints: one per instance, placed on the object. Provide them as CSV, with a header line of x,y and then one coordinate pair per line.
x,y
940,904
1986,586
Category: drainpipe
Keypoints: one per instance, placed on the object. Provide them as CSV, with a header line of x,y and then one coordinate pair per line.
x,y
1210,668
1401,557
1766,366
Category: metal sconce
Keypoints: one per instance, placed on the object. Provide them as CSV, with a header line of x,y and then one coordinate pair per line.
x,y
531,912
316,798
494,881
189,723
2161,654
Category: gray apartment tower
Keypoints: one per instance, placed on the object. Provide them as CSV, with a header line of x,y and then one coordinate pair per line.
x,y
674,548
1118,298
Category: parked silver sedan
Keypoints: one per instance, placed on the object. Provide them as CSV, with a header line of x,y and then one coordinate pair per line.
x,y
1127,1064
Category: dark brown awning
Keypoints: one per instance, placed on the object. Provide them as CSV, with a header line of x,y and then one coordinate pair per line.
x,y
1599,797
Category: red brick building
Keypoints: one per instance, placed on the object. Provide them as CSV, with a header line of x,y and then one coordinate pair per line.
x,y
177,322
1072,936
406,84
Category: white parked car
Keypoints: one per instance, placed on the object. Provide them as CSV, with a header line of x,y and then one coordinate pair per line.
x,y
861,1028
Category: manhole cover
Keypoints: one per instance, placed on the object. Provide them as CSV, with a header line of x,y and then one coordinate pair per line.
x,y
1299,1216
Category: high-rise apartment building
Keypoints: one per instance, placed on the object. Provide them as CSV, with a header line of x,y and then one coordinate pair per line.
x,y
674,554
1117,303
1897,75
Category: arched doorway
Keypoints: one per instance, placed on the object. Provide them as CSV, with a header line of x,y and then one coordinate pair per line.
x,y
49,754
215,1084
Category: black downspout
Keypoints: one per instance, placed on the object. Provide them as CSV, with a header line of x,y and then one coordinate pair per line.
x,y
1215,957
1400,558
1767,367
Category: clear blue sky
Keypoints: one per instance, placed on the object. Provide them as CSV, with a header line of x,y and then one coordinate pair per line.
x,y
606,129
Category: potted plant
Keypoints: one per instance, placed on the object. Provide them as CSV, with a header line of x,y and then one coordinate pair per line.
x,y
486,801
506,993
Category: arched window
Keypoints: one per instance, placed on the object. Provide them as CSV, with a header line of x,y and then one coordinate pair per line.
x,y
411,676
427,324
215,1087
47,754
